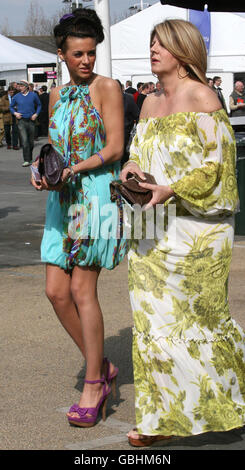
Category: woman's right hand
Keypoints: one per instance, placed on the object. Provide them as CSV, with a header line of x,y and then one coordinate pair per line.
x,y
43,185
39,185
131,167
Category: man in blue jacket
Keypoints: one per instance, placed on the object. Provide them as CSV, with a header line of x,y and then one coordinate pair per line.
x,y
26,106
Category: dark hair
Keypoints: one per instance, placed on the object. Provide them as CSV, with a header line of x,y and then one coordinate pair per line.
x,y
145,85
82,23
44,88
216,78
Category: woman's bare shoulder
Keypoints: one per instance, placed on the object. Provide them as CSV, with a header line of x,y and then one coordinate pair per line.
x,y
54,94
151,104
106,84
203,98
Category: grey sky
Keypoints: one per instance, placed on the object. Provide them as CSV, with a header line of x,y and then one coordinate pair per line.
x,y
15,11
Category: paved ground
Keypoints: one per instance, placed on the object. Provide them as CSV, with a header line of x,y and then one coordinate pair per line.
x,y
41,371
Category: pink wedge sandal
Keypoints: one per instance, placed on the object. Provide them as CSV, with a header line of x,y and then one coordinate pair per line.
x,y
111,378
88,416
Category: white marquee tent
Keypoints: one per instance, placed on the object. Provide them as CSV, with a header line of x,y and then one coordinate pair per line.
x,y
15,56
130,44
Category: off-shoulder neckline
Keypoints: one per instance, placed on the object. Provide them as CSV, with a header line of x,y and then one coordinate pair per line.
x,y
184,113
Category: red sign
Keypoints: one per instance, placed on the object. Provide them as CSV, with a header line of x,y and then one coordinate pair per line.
x,y
51,74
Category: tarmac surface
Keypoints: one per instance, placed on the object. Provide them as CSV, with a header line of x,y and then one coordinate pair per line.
x,y
42,372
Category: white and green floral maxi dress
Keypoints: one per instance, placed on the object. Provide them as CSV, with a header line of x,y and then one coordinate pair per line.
x,y
188,353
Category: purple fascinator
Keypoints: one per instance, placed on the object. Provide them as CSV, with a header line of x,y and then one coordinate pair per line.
x,y
65,17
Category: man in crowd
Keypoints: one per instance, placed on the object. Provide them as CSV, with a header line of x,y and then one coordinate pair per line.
x,y
1,129
210,82
1,119
237,100
152,87
158,86
216,87
10,129
131,116
139,89
129,88
144,92
26,106
44,114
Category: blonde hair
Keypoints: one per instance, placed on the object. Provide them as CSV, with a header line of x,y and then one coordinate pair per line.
x,y
183,40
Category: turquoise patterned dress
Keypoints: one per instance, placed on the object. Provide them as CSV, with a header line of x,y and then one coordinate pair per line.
x,y
83,227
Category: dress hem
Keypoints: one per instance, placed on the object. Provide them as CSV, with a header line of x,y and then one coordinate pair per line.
x,y
165,433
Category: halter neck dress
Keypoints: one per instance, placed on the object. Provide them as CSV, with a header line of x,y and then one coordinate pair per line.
x,y
83,227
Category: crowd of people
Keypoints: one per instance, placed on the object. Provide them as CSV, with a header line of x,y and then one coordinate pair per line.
x,y
236,98
23,117
13,129
188,353
143,89
20,127
133,100
235,107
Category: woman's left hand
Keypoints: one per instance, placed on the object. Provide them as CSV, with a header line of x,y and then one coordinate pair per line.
x,y
63,180
65,175
160,194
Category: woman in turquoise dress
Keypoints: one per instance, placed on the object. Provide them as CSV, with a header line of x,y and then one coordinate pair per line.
x,y
83,228
188,353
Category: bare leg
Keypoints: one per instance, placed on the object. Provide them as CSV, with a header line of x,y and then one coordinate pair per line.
x,y
58,290
84,293
75,301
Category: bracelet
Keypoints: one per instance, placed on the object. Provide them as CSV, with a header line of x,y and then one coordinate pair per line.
x,y
99,155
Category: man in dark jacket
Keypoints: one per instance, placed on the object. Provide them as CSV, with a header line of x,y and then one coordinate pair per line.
x,y
218,90
144,92
44,115
131,116
129,89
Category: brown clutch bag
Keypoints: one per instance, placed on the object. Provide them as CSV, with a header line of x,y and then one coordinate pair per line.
x,y
131,191
51,164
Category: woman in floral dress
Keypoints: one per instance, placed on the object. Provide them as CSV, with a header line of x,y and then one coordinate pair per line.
x,y
188,354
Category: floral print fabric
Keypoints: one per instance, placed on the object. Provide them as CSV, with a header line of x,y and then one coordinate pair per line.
x,y
188,353
75,216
